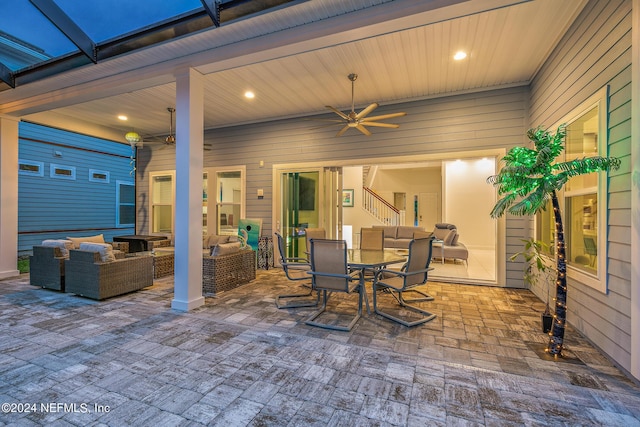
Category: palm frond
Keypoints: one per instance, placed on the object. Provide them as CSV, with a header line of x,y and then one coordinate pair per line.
x,y
532,203
502,205
588,165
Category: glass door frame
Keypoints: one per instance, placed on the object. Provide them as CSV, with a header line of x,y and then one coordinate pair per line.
x,y
326,178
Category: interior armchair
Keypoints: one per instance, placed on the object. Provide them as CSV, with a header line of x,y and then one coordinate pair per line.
x,y
296,270
414,273
329,271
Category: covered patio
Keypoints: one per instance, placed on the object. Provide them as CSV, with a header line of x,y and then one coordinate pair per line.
x,y
238,360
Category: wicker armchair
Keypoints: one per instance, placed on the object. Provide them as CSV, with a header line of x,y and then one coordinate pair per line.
x,y
46,268
225,272
88,276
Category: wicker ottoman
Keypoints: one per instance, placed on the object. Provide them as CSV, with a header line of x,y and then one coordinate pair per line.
x,y
224,272
163,263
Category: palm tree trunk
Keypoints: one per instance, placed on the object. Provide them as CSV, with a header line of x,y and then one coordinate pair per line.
x,y
557,331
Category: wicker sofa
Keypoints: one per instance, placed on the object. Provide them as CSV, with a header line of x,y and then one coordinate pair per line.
x,y
228,271
88,276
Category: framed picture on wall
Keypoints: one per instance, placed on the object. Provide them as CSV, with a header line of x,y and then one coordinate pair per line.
x,y
347,198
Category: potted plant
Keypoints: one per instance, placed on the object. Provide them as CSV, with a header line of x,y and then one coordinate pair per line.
x,y
529,179
538,270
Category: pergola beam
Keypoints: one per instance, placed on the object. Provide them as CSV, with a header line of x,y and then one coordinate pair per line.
x,y
70,29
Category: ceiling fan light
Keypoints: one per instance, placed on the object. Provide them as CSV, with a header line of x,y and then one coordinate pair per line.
x,y
132,137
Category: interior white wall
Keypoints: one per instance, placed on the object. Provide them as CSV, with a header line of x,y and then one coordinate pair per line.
x,y
468,200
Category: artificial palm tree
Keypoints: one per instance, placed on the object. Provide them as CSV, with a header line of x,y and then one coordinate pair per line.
x,y
529,179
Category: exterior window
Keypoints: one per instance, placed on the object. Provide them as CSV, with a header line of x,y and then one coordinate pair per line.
x,y
62,172
229,200
98,176
583,200
162,200
125,204
581,195
29,167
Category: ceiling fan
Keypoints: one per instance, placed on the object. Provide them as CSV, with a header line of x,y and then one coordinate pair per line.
x,y
170,139
362,119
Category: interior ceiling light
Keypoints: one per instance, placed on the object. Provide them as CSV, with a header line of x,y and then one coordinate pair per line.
x,y
249,95
460,55
123,117
360,120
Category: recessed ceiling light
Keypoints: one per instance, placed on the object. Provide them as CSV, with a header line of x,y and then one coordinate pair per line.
x,y
249,95
460,55
122,117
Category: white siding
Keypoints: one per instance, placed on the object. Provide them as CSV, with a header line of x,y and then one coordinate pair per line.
x,y
596,51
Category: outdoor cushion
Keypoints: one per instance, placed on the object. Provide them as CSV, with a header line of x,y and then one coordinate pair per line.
x,y
64,245
225,248
104,249
213,239
99,238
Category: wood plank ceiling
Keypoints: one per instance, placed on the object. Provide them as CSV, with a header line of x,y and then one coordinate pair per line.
x,y
410,58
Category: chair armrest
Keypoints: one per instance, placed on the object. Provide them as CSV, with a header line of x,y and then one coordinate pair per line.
x,y
351,276
401,273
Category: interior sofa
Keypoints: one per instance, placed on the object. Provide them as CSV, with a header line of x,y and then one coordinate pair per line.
x,y
399,236
449,247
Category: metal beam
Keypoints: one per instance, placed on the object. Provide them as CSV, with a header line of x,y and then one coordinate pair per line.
x,y
212,10
65,24
6,75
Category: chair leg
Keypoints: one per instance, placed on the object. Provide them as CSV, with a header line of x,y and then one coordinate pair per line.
x,y
427,316
293,304
311,321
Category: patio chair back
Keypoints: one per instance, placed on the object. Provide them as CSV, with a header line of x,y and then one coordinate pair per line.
x,y
372,238
419,259
294,268
329,264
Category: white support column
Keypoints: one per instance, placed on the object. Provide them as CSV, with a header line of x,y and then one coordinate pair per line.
x,y
188,220
635,190
8,197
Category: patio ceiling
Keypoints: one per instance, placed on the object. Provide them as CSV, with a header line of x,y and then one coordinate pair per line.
x,y
296,60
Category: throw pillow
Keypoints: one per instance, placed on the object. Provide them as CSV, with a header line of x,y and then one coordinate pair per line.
x,y
104,249
99,238
64,245
225,248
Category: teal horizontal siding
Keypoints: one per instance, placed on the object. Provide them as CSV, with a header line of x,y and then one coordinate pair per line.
x,y
53,208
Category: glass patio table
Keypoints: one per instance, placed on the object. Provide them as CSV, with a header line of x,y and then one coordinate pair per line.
x,y
362,259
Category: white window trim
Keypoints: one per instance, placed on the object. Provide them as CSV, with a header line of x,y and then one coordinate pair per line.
x,y
212,176
118,204
97,171
597,280
54,166
40,166
152,175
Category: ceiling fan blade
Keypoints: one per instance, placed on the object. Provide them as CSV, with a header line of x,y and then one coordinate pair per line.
x,y
384,116
343,130
367,110
363,129
380,125
338,112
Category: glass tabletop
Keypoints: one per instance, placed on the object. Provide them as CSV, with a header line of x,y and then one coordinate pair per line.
x,y
371,258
